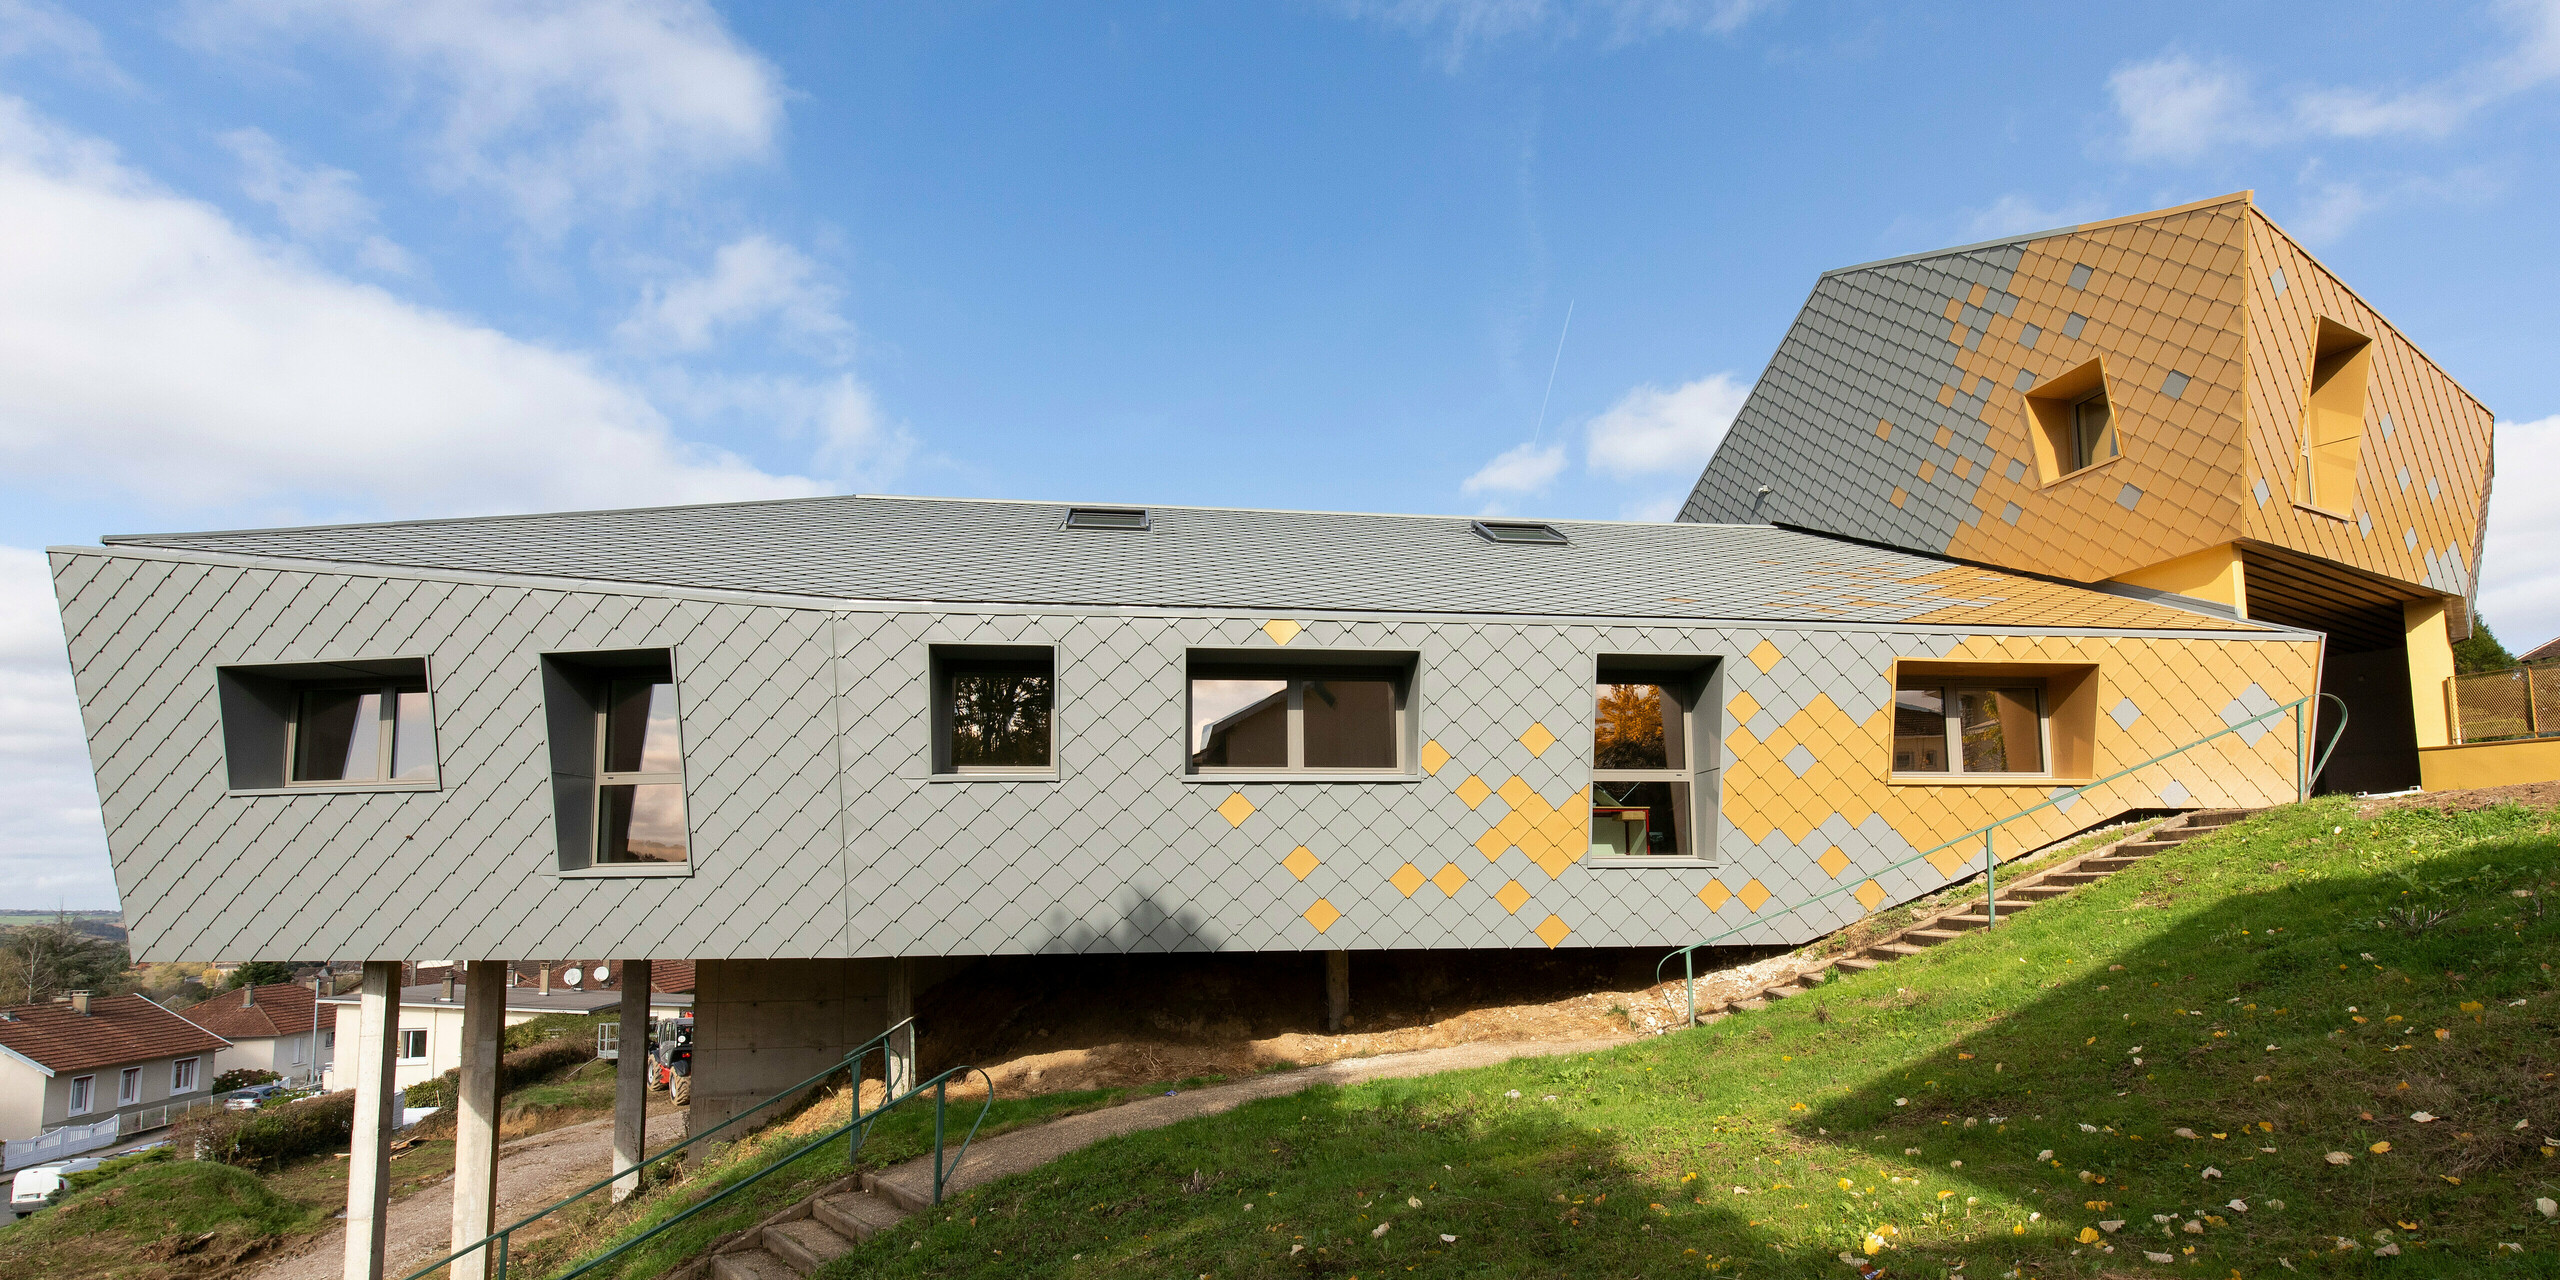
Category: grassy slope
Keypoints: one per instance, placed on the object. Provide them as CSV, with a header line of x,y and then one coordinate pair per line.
x,y
1920,1096
124,1228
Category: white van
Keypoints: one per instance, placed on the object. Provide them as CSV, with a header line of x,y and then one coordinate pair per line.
x,y
36,1184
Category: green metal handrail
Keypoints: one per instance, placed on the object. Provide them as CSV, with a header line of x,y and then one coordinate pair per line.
x,y
497,1242
1990,856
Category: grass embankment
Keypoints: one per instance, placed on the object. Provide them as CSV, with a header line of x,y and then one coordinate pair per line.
x,y
155,1221
2304,984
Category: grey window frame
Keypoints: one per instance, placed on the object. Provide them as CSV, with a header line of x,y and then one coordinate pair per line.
x,y
261,710
426,1045
577,693
945,660
128,1076
1401,667
1698,681
1953,717
2084,454
82,1097
386,730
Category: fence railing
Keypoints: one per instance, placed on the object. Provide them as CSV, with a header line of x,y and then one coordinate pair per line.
x,y
2492,706
69,1140
2306,773
498,1243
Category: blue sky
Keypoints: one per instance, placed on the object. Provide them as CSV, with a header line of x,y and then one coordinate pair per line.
x,y
276,261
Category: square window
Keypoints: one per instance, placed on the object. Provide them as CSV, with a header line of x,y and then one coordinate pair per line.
x,y
994,711
1645,753
182,1075
332,725
617,760
413,1044
2074,422
1328,718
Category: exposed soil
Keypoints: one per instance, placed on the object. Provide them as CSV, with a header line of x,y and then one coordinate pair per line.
x,y
2532,795
1046,1024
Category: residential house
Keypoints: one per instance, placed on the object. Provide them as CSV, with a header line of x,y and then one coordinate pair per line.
x,y
429,1041
89,1060
271,1028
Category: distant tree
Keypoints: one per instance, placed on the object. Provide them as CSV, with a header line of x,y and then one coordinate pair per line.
x,y
1629,733
259,973
2480,651
41,961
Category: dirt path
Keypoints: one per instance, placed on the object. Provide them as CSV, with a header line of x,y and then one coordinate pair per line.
x,y
532,1172
1029,1148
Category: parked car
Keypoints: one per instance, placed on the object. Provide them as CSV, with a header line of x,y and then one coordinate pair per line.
x,y
252,1098
34,1186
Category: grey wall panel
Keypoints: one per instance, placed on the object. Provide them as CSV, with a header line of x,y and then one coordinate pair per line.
x,y
819,831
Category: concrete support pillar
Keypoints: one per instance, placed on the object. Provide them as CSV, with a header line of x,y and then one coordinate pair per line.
x,y
631,1079
901,1073
760,1026
1337,989
475,1115
369,1154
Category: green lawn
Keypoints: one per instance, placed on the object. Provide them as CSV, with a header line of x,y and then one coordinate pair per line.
x,y
171,1219
2297,986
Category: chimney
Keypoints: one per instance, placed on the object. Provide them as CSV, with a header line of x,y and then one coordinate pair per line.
x,y
248,997
546,978
448,984
80,1003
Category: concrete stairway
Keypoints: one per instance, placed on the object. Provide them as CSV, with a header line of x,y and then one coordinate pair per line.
x,y
809,1235
2015,896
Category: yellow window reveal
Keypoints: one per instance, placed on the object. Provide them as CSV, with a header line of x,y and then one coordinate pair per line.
x,y
2333,418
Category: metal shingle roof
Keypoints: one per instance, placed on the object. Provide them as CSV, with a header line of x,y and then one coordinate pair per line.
x,y
998,552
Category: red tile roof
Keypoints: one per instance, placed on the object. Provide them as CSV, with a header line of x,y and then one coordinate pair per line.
x,y
282,1009
2548,650
115,1031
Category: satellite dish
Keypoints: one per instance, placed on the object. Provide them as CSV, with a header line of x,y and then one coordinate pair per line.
x,y
571,977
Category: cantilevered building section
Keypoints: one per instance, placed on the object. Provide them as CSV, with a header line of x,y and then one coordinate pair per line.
x,y
2183,401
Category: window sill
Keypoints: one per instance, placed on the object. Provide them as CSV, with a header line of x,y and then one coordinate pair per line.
x,y
1631,860
1027,775
627,871
1309,776
337,788
2069,476
1983,780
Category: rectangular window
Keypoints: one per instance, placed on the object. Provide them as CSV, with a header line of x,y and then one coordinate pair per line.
x,y
182,1075
2092,438
1969,729
994,711
413,1044
330,725
1297,719
129,1087
617,760
82,1087
1642,773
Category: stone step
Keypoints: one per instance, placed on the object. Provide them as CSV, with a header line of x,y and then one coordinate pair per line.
x,y
2040,892
2113,862
805,1244
1898,948
1860,964
1932,937
751,1264
2143,848
856,1215
2080,875
1950,922
908,1199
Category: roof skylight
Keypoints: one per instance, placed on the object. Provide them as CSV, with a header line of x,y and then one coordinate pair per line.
x,y
1520,531
1106,518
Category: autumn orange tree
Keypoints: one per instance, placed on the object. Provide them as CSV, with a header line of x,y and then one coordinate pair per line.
x,y
1629,730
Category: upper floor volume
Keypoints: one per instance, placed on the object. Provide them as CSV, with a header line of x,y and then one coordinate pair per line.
x,y
2184,400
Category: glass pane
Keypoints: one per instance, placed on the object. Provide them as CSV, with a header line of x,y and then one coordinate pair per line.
x,y
641,823
1637,726
1240,724
339,738
1919,731
640,729
1999,732
413,738
1638,817
1350,724
999,718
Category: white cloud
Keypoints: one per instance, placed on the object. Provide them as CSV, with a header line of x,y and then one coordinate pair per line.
x,y
850,439
2520,571
1651,431
52,849
148,345
1522,468
748,280
315,202
1459,26
38,28
2012,214
554,104
2175,107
